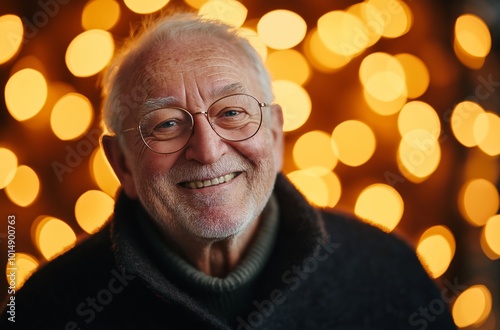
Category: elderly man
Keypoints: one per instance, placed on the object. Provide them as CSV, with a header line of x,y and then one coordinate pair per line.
x,y
207,233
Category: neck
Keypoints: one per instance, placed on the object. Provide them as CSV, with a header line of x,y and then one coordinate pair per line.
x,y
215,258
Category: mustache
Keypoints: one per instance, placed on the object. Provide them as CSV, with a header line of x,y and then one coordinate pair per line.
x,y
193,171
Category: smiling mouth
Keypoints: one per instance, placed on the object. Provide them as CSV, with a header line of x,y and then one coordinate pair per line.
x,y
209,182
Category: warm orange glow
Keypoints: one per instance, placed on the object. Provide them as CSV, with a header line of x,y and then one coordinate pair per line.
x,y
254,40
281,29
417,74
196,4
472,35
314,149
487,133
24,187
463,119
395,16
231,12
23,265
333,185
71,116
8,166
481,166
343,33
472,307
145,7
53,236
102,173
92,209
380,205
280,62
478,201
369,15
491,233
419,115
22,83
310,183
89,52
355,142
11,36
322,58
295,102
100,14
384,108
436,249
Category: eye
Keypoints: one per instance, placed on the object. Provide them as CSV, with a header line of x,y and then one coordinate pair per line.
x,y
230,113
166,124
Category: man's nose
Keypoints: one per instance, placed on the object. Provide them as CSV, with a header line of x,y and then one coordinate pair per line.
x,y
204,146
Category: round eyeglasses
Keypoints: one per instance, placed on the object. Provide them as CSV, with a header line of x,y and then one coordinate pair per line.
x,y
235,117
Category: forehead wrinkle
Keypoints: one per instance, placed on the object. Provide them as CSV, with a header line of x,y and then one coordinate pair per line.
x,y
157,103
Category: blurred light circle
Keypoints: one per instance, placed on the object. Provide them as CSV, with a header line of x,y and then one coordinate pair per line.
x,y
8,166
23,83
24,265
486,132
320,57
100,14
92,209
419,154
472,306
472,35
311,185
314,149
384,108
89,52
354,141
463,119
280,62
371,18
102,173
478,201
492,234
436,249
419,115
231,12
53,237
196,4
281,29
416,73
145,7
343,33
24,187
295,102
380,205
71,116
11,36
254,40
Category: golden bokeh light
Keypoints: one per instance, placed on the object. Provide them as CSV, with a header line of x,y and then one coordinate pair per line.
x,y
436,249
23,265
311,185
24,187
71,116
472,35
343,33
384,108
333,185
314,149
380,205
370,16
478,200
472,307
53,237
416,73
231,12
491,235
102,173
11,36
279,63
196,4
89,52
487,133
463,119
92,209
419,154
383,76
320,57
100,14
395,15
419,115
354,141
22,83
281,29
145,7
254,40
295,102
8,166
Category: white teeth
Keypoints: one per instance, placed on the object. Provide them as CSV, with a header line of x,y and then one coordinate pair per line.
x,y
211,182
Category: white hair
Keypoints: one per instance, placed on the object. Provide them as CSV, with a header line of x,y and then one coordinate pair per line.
x,y
121,90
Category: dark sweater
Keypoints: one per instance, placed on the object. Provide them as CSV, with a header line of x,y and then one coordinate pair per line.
x,y
326,271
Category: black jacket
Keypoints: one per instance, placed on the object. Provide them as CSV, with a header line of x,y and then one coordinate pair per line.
x,y
327,271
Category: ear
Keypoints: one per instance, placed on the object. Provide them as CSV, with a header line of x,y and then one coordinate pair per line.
x,y
117,159
277,135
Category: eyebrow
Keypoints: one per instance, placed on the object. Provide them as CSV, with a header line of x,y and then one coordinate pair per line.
x,y
162,102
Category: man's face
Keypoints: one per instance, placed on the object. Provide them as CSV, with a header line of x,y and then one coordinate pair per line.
x,y
193,74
